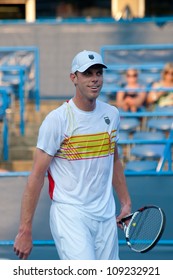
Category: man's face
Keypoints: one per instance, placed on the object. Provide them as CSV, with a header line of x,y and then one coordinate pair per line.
x,y
89,83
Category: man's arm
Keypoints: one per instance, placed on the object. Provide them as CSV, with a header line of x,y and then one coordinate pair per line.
x,y
154,95
120,99
119,183
23,241
139,99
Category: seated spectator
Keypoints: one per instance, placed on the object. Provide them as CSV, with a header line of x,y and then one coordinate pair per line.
x,y
128,99
161,97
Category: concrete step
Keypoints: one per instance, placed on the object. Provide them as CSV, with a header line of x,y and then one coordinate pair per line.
x,y
30,113
25,141
21,148
16,165
21,153
31,130
22,165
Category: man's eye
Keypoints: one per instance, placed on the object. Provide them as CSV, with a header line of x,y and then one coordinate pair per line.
x,y
87,73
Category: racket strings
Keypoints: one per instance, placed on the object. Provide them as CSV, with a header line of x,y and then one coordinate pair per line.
x,y
144,228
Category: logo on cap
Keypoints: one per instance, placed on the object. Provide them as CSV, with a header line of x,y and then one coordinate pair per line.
x,y
91,56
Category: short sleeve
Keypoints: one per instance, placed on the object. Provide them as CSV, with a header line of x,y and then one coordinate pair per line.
x,y
49,136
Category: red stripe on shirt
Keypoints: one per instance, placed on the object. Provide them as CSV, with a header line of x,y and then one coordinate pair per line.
x,y
51,185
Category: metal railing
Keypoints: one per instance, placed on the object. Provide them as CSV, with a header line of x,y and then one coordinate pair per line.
x,y
4,106
20,70
12,58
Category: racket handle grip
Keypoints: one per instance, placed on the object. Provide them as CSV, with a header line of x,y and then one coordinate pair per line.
x,y
126,218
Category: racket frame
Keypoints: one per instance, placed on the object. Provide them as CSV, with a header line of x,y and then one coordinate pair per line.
x,y
127,227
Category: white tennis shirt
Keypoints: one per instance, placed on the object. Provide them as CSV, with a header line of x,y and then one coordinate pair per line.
x,y
82,145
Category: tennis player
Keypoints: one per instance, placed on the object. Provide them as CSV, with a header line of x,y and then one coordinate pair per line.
x,y
77,145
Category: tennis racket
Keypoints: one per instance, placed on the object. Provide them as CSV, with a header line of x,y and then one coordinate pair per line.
x,y
144,229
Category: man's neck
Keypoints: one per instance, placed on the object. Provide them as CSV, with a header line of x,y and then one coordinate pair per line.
x,y
84,105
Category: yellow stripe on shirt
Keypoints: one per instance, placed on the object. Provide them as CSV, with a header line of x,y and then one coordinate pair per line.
x,y
87,146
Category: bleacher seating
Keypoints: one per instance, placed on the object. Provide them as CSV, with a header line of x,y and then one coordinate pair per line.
x,y
148,142
141,165
19,81
147,132
163,124
19,76
136,129
21,65
129,124
149,60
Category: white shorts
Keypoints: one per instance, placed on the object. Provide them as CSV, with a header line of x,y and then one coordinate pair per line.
x,y
78,237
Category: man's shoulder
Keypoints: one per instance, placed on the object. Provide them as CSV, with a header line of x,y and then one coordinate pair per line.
x,y
109,107
56,116
58,111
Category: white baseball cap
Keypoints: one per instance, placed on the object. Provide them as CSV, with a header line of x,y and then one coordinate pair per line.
x,y
85,59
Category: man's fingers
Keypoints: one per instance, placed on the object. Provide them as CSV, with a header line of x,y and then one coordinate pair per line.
x,y
21,255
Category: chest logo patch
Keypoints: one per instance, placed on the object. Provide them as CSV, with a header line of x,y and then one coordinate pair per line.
x,y
107,120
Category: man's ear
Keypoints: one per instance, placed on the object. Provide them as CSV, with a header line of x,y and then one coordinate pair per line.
x,y
73,77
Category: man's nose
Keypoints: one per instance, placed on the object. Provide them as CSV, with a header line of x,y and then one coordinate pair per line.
x,y
94,77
